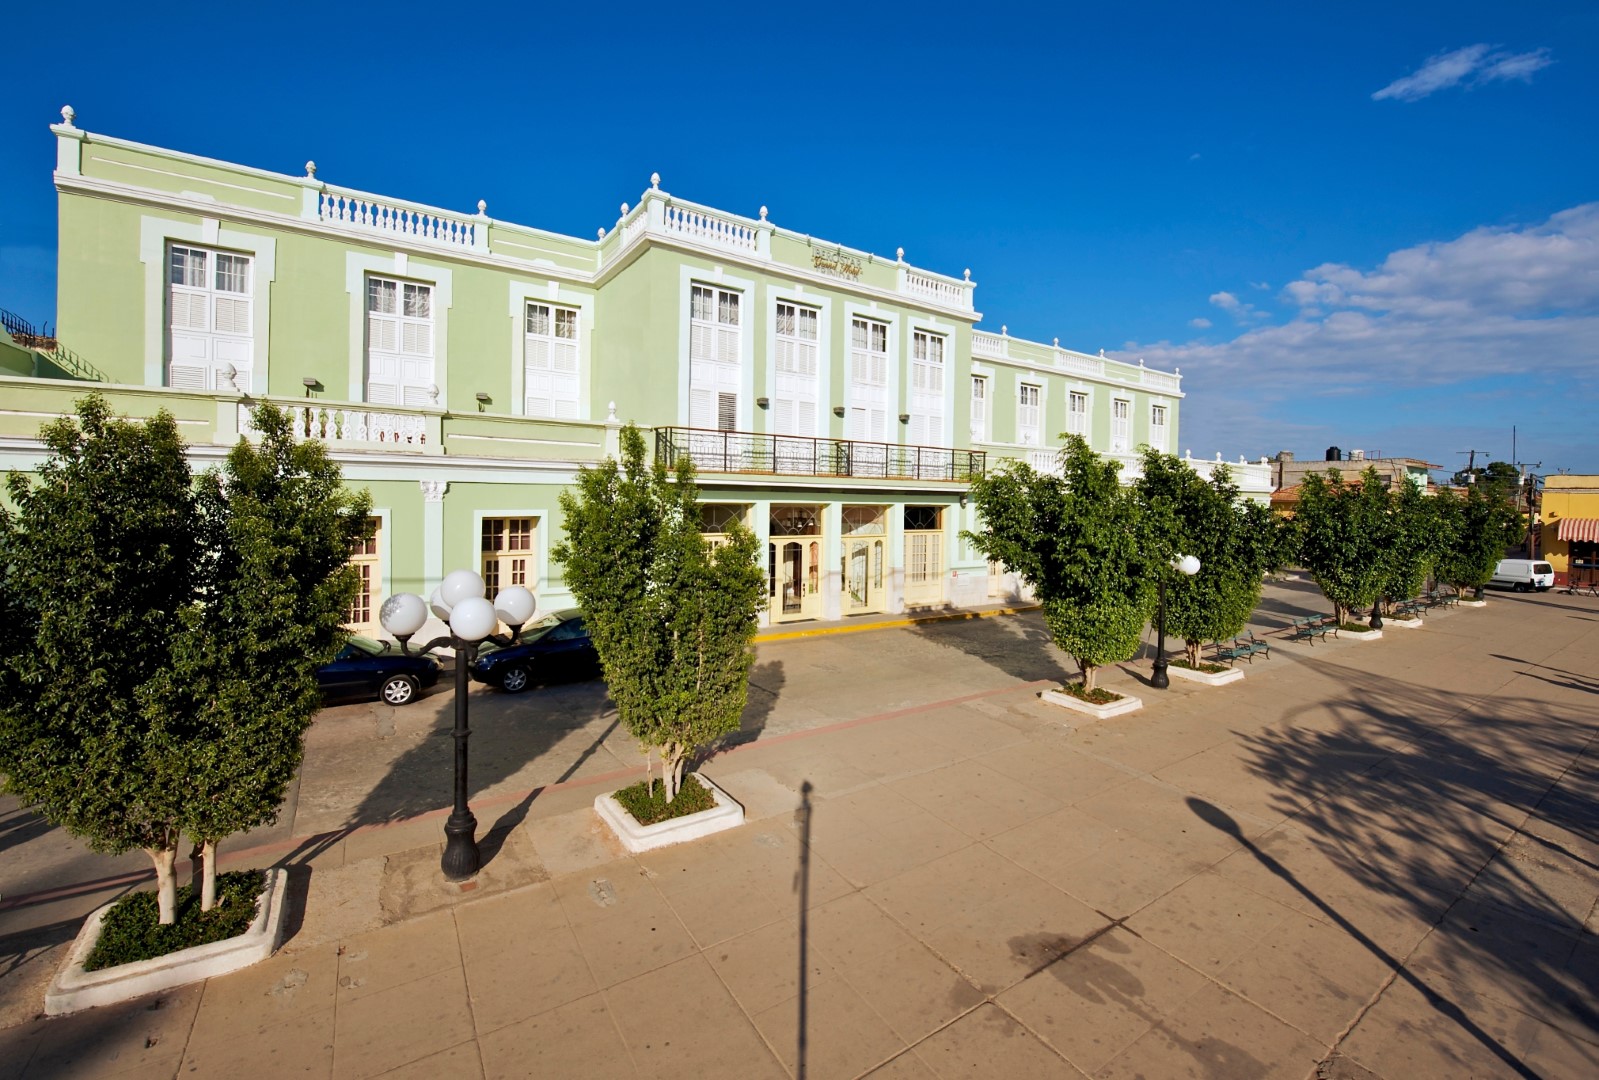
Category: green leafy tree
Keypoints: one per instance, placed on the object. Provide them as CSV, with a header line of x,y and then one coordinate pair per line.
x,y
1344,533
672,618
1236,542
1475,530
273,589
100,560
1416,542
1075,539
1497,476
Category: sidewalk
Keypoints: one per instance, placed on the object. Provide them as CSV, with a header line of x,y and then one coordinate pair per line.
x,y
1375,859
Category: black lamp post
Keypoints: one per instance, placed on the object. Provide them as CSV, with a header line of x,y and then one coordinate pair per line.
x,y
1376,613
1183,564
459,601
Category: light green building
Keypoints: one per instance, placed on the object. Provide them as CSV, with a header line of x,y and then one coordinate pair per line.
x,y
463,368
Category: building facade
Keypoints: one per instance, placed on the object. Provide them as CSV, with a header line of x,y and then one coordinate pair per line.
x,y
1569,531
462,369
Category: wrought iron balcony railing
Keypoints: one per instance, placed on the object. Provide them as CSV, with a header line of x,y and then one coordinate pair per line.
x,y
798,455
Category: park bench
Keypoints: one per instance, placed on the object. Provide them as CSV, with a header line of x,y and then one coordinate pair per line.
x,y
1311,627
1243,647
1409,609
1439,598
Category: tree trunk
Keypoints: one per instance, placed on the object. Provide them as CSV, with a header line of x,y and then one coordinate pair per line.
x,y
1088,676
196,866
1192,645
1338,614
208,884
672,769
166,881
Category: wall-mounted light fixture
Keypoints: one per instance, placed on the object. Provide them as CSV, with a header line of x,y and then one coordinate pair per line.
x,y
963,500
764,403
904,417
838,410
310,383
482,400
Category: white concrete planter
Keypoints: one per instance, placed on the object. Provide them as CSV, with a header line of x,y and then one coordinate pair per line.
x,y
1404,624
1471,603
1356,635
726,814
73,988
1125,704
1219,678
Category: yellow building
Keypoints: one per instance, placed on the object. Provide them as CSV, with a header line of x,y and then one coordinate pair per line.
x,y
1570,531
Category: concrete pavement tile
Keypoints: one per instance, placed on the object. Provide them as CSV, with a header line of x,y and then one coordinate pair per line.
x,y
987,1042
761,794
1310,973
844,1038
573,841
1226,775
273,992
1062,774
1050,846
729,903
302,1046
400,1025
1487,949
761,968
1537,884
146,1033
1134,743
17,1046
1219,1036
395,837
1167,819
521,957
872,851
947,889
339,903
394,955
914,991
792,764
1094,1003
1552,1052
622,923
907,1066
967,732
460,1062
1412,1031
978,801
852,931
1208,921
577,1039
679,1020
1015,935
1121,878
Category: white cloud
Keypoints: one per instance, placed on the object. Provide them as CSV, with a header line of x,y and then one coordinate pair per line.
x,y
1193,157
1491,302
1264,286
1199,324
1470,66
1235,307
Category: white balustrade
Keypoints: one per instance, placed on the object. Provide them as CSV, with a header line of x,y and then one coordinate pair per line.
x,y
706,228
987,344
360,211
349,427
949,293
1160,380
1084,365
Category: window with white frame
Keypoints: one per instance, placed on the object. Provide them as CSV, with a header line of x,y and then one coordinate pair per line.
x,y
549,358
209,319
927,389
1157,427
979,423
868,381
363,613
1028,414
1121,427
399,342
1077,413
715,352
507,553
795,395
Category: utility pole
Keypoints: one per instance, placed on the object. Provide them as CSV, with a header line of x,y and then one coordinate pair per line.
x,y
1471,463
1528,483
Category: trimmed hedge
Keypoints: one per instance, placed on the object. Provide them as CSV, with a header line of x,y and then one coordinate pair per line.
x,y
130,931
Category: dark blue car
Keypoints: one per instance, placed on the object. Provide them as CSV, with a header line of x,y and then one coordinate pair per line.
x,y
365,668
556,649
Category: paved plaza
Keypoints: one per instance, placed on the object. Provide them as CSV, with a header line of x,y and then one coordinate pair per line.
x,y
1367,859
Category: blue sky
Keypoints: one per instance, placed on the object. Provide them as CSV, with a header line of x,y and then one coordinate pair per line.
x,y
1369,225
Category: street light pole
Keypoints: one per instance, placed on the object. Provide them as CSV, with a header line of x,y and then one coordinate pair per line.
x,y
1188,566
459,601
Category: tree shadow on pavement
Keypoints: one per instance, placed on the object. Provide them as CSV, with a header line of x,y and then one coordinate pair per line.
x,y
1019,645
1477,817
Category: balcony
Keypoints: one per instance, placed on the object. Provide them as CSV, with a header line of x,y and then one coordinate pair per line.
x,y
798,455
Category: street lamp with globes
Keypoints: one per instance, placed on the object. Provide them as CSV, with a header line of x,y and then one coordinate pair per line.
x,y
459,601
1183,564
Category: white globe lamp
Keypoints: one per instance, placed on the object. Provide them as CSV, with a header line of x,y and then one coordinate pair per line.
x,y
460,585
473,619
515,605
438,606
403,614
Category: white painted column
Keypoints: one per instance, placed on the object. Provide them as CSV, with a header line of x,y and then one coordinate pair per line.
x,y
432,533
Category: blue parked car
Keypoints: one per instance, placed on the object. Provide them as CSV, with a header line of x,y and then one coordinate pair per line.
x,y
365,668
555,649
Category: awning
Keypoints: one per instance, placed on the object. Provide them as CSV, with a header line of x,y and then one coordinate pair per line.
x,y
1579,529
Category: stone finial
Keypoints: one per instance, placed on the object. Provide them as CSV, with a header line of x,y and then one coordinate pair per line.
x,y
310,170
1102,352
610,414
602,232
1057,343
763,213
655,181
433,393
1140,361
1189,454
1004,331
1176,371
968,273
68,114
482,207
625,209
899,253
1218,455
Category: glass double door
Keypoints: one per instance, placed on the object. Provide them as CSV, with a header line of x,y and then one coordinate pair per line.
x,y
794,563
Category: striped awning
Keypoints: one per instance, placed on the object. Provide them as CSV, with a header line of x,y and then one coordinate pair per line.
x,y
1579,529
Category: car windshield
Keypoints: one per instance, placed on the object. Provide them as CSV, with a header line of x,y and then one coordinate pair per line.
x,y
368,646
535,630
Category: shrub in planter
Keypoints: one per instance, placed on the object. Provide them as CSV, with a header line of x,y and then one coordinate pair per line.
x,y
130,931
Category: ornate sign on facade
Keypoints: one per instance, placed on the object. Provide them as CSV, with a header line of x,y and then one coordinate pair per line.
x,y
836,262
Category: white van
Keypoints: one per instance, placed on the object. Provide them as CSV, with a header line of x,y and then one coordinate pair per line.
x,y
1524,575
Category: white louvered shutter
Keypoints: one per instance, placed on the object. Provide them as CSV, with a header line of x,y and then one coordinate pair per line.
x,y
868,383
550,363
209,319
1120,427
1027,415
979,424
927,389
399,343
795,408
715,354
